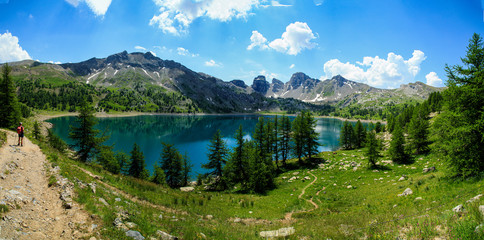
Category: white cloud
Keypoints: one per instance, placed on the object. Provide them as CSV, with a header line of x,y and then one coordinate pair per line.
x,y
278,4
10,50
184,52
212,63
296,38
140,48
257,40
98,7
292,66
268,75
318,2
433,79
378,72
176,15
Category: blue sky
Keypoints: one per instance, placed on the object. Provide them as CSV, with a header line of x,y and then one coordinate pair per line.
x,y
383,43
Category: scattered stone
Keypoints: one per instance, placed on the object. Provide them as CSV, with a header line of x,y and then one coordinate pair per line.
x,y
458,208
479,228
349,186
307,178
119,224
481,209
117,199
430,169
418,198
401,178
295,173
135,235
92,238
104,202
131,224
165,236
187,189
237,220
292,178
284,178
209,217
407,191
413,168
282,232
203,236
474,198
93,187
375,170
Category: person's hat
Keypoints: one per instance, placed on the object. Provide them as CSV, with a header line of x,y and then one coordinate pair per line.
x,y
20,123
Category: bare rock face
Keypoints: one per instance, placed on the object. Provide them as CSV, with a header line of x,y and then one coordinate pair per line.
x,y
260,84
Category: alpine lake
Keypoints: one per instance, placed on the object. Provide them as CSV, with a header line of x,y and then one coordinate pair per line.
x,y
189,134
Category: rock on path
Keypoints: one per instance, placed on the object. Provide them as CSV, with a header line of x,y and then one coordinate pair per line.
x,y
35,210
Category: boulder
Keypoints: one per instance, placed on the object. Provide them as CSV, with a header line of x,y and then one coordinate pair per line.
x,y
407,191
401,179
103,202
458,209
165,236
474,198
135,235
187,189
430,169
282,232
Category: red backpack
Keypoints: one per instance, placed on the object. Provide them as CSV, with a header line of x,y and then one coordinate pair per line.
x,y
20,129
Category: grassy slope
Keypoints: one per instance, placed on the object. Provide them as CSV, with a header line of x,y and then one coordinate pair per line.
x,y
371,208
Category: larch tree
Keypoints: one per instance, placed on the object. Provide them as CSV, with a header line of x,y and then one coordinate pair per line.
x,y
217,158
9,106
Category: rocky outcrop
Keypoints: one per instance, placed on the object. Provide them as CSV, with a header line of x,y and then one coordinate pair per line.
x,y
260,85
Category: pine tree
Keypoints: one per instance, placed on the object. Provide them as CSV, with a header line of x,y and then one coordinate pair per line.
x,y
298,137
459,130
108,160
137,166
276,139
397,146
311,137
123,161
84,135
373,149
158,175
9,106
186,169
346,135
261,177
259,135
217,158
172,164
285,137
418,131
36,132
378,127
236,170
359,135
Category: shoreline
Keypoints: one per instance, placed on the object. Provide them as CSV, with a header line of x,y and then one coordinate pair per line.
x,y
43,116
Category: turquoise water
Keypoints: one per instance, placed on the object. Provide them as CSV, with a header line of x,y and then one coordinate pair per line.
x,y
190,134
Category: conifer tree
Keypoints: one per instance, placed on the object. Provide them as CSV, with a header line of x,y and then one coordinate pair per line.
x,y
276,139
397,150
459,130
285,137
346,135
298,137
137,166
172,164
311,137
258,135
217,158
359,135
158,175
236,170
418,131
9,106
373,149
186,169
36,131
84,134
261,177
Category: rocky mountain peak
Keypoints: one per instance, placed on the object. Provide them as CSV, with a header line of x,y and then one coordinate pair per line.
x,y
300,79
260,84
239,83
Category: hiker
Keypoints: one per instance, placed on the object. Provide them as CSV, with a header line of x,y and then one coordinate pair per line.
x,y
20,131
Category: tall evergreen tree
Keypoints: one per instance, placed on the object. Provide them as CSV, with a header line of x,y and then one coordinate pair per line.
x,y
261,177
276,139
83,133
397,150
137,166
285,138
36,131
359,135
346,135
172,164
311,137
258,135
373,149
418,131
186,169
9,106
217,158
236,170
459,130
298,137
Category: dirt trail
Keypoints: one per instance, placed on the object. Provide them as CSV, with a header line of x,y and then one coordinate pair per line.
x,y
35,210
288,216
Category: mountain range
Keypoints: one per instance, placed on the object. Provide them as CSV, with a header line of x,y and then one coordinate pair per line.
x,y
137,71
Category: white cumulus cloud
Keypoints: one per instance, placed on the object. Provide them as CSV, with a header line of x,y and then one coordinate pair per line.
x,y
98,7
140,48
184,52
292,66
212,63
176,16
376,71
433,79
297,37
10,50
